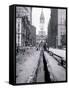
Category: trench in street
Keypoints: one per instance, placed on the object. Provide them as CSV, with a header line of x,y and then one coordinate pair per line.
x,y
45,70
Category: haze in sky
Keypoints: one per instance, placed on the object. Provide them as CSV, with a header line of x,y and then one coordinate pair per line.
x,y
36,12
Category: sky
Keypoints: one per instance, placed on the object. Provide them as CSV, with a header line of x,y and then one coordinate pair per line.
x,y
36,12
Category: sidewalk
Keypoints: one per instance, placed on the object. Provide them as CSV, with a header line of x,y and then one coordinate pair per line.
x,y
26,70
57,73
59,52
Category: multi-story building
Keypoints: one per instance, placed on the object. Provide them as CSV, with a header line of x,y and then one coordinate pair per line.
x,y
57,28
61,27
52,28
33,35
24,11
24,27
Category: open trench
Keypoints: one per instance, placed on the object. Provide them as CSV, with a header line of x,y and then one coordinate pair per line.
x,y
46,72
42,74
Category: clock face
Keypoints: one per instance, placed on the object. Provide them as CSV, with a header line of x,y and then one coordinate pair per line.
x,y
41,26
41,20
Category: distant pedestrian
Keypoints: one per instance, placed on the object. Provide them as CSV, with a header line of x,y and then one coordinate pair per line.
x,y
37,49
44,47
47,47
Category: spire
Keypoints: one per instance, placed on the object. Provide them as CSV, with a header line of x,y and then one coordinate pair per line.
x,y
42,18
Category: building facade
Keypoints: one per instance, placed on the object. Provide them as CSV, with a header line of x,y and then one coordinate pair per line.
x,y
61,27
33,35
24,11
52,28
24,27
57,28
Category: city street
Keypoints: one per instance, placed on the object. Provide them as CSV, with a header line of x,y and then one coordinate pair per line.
x,y
59,52
35,66
41,45
27,65
57,72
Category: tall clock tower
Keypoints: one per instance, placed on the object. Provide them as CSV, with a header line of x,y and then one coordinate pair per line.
x,y
42,23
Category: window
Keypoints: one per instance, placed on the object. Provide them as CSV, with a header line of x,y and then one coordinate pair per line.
x,y
18,33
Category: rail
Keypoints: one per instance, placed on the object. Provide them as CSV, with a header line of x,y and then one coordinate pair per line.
x,y
60,59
